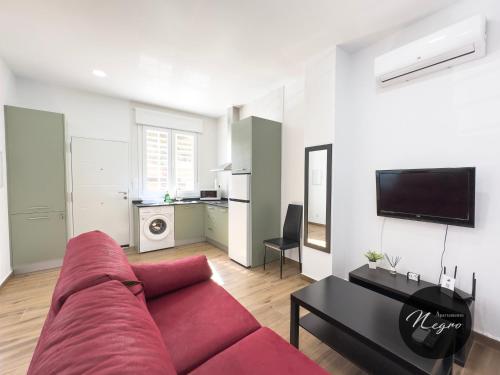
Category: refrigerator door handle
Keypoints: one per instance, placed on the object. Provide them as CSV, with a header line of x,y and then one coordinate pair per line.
x,y
239,200
240,186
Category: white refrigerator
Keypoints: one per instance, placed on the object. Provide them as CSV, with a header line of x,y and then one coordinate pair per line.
x,y
240,240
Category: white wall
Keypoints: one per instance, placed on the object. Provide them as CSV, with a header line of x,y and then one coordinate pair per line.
x,y
96,116
292,149
319,123
269,106
7,96
341,207
448,119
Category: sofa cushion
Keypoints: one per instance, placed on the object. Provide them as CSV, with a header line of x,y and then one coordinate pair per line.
x,y
91,258
198,322
164,277
102,330
263,352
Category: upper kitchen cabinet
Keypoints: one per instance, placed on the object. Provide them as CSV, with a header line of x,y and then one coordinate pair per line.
x,y
241,146
35,160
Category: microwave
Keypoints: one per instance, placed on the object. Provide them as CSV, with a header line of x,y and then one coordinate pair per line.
x,y
209,195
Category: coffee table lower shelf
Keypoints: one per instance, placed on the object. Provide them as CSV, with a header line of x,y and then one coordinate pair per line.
x,y
363,355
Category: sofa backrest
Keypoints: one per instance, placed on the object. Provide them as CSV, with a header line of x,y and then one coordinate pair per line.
x,y
102,330
91,258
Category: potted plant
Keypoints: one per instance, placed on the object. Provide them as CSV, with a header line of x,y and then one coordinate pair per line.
x,y
373,257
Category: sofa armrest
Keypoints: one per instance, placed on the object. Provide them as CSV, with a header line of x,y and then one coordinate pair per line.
x,y
165,277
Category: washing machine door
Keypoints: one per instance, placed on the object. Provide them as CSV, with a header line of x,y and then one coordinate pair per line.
x,y
156,227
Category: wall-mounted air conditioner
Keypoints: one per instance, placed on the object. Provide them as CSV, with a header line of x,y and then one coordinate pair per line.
x,y
451,46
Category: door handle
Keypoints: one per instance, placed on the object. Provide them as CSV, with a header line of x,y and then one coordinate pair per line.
x,y
124,193
37,207
38,218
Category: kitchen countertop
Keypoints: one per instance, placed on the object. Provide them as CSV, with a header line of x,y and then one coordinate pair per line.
x,y
220,203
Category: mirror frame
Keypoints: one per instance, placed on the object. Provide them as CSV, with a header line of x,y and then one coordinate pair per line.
x,y
328,148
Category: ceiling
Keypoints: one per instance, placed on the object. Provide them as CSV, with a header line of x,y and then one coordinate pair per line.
x,y
196,55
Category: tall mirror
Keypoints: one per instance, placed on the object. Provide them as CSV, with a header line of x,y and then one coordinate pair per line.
x,y
317,199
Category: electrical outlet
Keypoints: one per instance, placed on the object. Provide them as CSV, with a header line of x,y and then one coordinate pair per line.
x,y
413,276
448,282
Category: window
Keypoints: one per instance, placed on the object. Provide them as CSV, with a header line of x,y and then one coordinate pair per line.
x,y
156,169
169,163
184,151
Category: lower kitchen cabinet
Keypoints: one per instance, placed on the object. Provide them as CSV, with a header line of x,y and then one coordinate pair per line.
x,y
39,240
216,225
189,224
201,222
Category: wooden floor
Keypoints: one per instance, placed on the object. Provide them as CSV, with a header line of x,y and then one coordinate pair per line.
x,y
25,299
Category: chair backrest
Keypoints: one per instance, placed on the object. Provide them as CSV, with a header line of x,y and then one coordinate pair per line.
x,y
293,222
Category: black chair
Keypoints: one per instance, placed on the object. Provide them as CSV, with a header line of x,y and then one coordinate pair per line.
x,y
291,236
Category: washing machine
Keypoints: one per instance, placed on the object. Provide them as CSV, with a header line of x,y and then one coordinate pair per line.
x,y
156,226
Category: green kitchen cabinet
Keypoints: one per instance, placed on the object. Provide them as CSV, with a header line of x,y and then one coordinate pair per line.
x,y
189,224
210,221
216,225
220,227
241,148
36,179
38,240
266,186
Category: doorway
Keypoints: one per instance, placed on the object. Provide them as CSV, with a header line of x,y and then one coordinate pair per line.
x,y
100,179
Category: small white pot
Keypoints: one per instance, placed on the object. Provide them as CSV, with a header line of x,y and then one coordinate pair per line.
x,y
372,265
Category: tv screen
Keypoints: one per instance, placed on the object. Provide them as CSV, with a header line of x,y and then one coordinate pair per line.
x,y
444,195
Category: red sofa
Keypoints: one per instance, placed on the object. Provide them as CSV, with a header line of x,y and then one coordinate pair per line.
x,y
111,317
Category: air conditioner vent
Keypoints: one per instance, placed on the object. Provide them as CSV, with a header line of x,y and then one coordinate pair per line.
x,y
454,45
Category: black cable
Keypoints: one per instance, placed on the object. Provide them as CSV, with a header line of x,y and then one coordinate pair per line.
x,y
442,254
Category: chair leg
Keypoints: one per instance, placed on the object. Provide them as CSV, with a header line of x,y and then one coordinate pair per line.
x,y
300,260
265,248
281,264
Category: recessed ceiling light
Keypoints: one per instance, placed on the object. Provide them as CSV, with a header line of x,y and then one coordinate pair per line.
x,y
99,73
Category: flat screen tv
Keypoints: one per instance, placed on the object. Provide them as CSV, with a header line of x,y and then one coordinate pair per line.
x,y
443,195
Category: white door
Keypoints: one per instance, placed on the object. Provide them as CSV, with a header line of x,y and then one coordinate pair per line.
x,y
239,246
240,187
100,171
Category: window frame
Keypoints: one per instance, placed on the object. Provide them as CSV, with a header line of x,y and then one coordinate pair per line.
x,y
172,178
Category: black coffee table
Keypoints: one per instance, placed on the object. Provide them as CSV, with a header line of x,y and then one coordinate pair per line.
x,y
362,326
